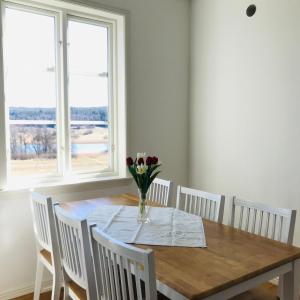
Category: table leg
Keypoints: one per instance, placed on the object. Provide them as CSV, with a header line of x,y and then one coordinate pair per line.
x,y
290,283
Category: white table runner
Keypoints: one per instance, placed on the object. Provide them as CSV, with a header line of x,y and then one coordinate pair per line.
x,y
168,226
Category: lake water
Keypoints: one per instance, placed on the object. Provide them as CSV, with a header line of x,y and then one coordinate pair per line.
x,y
89,148
76,148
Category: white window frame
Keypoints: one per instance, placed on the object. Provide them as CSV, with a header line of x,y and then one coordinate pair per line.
x,y
115,21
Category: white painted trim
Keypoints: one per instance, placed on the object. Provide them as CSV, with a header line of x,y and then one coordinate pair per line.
x,y
64,104
24,290
63,186
3,114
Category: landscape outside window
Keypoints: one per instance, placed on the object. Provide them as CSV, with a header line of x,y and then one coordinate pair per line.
x,y
88,95
32,94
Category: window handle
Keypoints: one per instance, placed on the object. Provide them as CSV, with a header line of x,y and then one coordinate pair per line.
x,y
50,69
103,74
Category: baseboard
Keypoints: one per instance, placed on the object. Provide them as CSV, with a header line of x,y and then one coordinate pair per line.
x,y
25,290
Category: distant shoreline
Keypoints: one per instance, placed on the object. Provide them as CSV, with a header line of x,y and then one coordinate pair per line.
x,y
43,113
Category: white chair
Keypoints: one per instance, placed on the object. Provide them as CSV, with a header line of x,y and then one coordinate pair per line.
x,y
76,257
206,205
116,262
160,191
47,244
274,223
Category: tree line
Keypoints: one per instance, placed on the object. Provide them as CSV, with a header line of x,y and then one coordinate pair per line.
x,y
41,113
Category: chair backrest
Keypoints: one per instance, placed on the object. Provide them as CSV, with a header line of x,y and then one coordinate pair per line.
x,y
206,205
273,223
75,249
115,265
43,221
160,191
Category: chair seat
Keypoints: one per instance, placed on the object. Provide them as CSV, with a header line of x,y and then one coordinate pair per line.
x,y
77,290
46,255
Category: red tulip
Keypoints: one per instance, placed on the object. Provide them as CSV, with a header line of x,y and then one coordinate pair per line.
x,y
141,161
129,161
154,160
149,161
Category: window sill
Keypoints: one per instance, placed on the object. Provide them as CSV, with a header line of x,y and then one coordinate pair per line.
x,y
70,185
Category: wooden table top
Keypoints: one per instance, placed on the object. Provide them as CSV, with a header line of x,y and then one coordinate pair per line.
x,y
231,256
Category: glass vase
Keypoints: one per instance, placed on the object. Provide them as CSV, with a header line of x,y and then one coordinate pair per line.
x,y
143,209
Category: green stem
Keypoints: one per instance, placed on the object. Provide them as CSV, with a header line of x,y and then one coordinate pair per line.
x,y
142,203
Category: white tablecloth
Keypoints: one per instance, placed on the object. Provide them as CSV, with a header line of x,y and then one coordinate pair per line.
x,y
168,226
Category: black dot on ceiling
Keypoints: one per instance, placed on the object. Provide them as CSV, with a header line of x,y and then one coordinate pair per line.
x,y
251,10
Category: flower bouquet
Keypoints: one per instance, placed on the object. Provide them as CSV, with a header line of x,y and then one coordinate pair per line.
x,y
144,170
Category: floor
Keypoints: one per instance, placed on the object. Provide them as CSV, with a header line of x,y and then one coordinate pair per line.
x,y
265,292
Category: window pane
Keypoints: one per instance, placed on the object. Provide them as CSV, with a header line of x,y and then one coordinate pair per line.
x,y
33,149
30,89
89,147
88,96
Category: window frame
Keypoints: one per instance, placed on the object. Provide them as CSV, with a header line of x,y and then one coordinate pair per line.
x,y
115,21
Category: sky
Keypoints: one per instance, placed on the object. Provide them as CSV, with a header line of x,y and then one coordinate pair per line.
x,y
30,63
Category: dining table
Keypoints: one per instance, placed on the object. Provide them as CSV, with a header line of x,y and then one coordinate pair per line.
x,y
233,262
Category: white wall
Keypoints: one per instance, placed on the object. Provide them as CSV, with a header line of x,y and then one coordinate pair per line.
x,y
159,76
158,54
245,101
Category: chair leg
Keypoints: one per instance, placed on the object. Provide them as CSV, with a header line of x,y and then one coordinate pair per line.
x,y
56,287
38,279
66,293
279,288
290,283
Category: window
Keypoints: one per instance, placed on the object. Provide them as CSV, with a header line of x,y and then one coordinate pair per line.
x,y
88,69
63,104
30,92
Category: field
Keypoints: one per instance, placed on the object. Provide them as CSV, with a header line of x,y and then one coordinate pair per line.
x,y
83,158
96,135
46,166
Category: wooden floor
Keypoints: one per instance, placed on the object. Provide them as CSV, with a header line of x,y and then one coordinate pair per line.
x,y
264,292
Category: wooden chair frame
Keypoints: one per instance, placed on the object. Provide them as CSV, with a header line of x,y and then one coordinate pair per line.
x,y
160,191
47,242
263,219
206,205
278,218
113,260
76,254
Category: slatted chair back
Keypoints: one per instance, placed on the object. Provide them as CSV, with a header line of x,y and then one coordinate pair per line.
x,y
47,243
115,265
43,221
273,223
75,249
206,205
160,191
